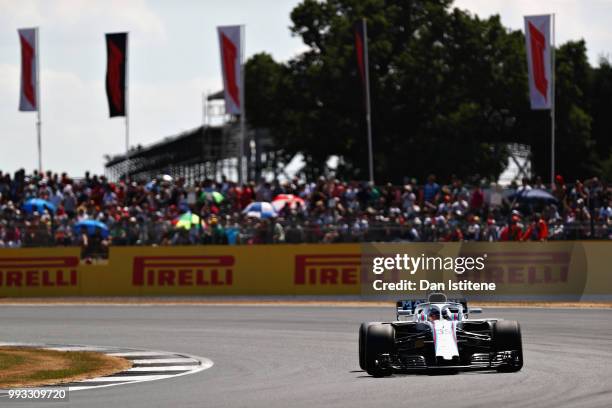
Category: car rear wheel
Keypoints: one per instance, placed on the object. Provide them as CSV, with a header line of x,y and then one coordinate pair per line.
x,y
507,337
380,340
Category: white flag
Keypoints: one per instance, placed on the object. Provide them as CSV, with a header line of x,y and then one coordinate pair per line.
x,y
28,99
537,36
230,45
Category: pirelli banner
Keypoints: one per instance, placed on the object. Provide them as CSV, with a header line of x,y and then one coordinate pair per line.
x,y
529,271
190,270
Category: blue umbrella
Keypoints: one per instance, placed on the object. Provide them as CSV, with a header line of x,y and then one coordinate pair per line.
x,y
38,204
91,226
260,209
535,195
150,186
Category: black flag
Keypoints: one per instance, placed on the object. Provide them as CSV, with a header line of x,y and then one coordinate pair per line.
x,y
116,66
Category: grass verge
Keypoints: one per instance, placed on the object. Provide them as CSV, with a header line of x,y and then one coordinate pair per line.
x,y
32,367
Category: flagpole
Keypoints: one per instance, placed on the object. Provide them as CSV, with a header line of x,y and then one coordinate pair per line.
x,y
552,108
368,111
127,116
38,120
242,108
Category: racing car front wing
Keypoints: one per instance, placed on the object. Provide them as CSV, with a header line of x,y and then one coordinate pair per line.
x,y
478,361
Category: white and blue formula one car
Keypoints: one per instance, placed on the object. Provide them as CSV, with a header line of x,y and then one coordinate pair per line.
x,y
436,333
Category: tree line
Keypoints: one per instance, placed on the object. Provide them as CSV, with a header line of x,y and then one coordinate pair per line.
x,y
449,92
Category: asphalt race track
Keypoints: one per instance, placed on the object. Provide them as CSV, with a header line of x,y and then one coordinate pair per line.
x,y
272,356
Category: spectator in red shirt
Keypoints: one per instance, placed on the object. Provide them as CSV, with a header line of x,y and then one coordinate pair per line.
x,y
247,195
477,200
513,231
559,190
537,230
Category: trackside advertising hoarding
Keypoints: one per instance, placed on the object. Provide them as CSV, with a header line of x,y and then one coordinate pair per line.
x,y
539,271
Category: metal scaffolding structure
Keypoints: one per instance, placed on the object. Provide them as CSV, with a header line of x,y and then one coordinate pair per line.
x,y
209,151
200,153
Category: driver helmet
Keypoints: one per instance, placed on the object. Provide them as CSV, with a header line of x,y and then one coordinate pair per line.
x,y
434,314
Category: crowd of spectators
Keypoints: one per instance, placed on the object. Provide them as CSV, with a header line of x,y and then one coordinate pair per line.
x,y
144,212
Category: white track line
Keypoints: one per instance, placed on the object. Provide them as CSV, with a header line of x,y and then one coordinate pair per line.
x,y
164,360
163,368
128,379
77,348
139,353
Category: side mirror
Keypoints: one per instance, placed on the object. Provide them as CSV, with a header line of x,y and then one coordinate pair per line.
x,y
475,310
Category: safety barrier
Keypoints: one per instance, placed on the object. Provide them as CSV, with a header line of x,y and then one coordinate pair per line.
x,y
570,270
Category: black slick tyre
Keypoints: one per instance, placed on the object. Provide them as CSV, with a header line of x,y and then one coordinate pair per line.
x,y
507,338
380,340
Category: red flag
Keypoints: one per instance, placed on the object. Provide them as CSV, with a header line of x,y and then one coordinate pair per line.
x,y
29,71
231,66
116,66
537,36
538,47
360,50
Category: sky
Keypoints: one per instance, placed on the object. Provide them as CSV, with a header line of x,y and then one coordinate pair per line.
x,y
173,60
